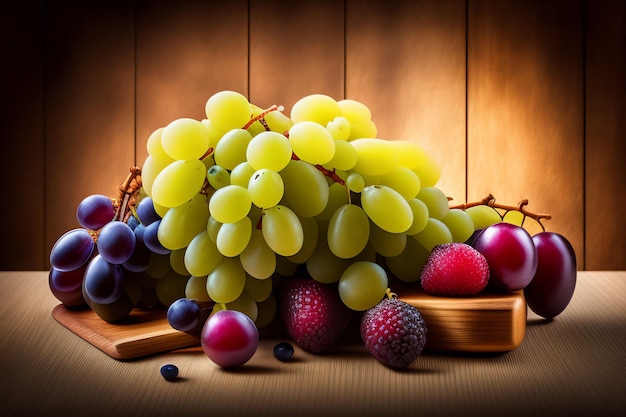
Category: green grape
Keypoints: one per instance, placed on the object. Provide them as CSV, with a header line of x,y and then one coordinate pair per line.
x,y
196,289
311,142
435,233
310,230
245,304
362,285
178,182
374,156
344,158
285,267
258,289
278,122
218,177
460,224
387,208
514,217
170,288
323,265
155,148
181,224
213,228
158,266
269,150
436,201
355,182
149,171
226,281
416,159
241,174
177,261
386,243
159,209
266,188
483,216
215,133
228,110
306,188
348,231
408,265
202,255
230,204
230,151
318,108
337,197
257,258
232,238
403,180
420,216
360,118
339,128
267,311
185,138
282,230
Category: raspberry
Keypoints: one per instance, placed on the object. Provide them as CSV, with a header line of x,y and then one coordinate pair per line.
x,y
455,269
394,332
313,314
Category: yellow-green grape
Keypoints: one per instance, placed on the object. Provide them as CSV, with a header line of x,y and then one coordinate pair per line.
x,y
362,285
408,265
228,110
158,266
267,311
436,201
483,216
337,197
269,150
240,175
177,261
514,217
387,208
202,256
386,243
232,238
230,151
306,188
284,267
344,158
185,138
170,288
226,281
213,228
181,224
155,147
258,259
160,210
426,169
420,216
323,265
318,108
255,127
149,171
435,233
355,182
311,142
258,289
196,289
374,156
460,224
360,118
282,230
218,177
278,121
215,133
266,188
403,180
339,128
178,182
245,304
230,204
310,230
348,231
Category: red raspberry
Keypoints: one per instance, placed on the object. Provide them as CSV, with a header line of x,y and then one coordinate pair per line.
x,y
455,269
313,313
394,332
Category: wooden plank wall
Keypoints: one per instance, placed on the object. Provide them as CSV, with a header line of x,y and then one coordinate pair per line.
x,y
522,99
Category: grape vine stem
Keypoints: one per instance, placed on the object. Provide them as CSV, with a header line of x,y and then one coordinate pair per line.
x,y
127,194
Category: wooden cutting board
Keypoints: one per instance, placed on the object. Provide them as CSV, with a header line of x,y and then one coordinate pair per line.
x,y
491,322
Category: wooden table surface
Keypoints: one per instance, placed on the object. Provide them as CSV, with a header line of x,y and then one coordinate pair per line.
x,y
573,364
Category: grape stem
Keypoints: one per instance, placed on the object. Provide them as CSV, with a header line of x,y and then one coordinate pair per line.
x,y
329,173
490,201
127,196
261,116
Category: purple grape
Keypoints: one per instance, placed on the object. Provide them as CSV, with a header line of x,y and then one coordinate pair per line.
x,y
133,222
116,242
95,211
185,315
146,213
151,239
140,258
283,351
169,372
67,286
104,281
72,250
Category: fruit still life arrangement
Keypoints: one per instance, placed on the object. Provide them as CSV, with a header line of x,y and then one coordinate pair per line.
x,y
251,217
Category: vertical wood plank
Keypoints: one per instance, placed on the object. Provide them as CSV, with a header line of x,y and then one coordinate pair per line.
x,y
21,137
525,108
186,51
296,49
605,138
89,105
406,61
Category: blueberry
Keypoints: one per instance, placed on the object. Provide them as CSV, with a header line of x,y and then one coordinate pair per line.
x,y
169,372
283,351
